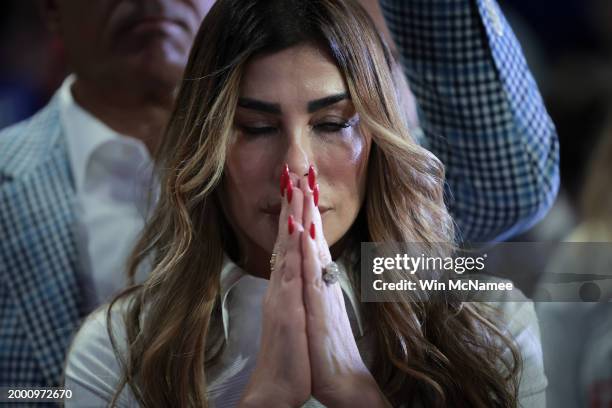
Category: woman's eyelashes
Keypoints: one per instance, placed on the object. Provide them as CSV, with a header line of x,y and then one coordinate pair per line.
x,y
323,127
257,130
332,127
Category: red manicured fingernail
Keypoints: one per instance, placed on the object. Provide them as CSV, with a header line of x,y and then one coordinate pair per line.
x,y
290,225
315,195
311,177
312,230
283,179
289,190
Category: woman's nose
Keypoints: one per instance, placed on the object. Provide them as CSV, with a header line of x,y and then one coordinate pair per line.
x,y
298,158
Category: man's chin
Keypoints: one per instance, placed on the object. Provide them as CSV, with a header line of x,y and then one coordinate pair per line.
x,y
155,78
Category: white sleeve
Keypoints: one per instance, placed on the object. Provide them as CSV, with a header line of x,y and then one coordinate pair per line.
x,y
523,327
92,370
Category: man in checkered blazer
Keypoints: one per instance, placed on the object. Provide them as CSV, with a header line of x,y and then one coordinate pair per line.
x,y
480,113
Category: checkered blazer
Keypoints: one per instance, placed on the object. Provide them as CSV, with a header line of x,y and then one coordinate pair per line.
x,y
480,110
39,296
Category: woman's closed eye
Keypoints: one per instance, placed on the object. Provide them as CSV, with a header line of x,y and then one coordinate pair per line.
x,y
257,130
331,127
323,127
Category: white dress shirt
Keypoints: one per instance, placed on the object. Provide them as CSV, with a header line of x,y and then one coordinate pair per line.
x,y
112,175
92,370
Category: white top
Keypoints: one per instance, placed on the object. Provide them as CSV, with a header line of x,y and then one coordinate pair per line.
x,y
92,370
112,174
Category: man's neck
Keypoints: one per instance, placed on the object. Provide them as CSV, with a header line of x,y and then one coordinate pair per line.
x,y
136,114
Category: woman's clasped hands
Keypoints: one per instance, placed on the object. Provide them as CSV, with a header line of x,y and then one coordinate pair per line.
x,y
307,344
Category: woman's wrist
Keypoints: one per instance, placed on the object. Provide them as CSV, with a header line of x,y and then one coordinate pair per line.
x,y
257,400
362,391
266,395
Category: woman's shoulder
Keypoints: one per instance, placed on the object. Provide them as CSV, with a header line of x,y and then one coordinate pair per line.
x,y
515,309
93,368
516,317
518,320
93,335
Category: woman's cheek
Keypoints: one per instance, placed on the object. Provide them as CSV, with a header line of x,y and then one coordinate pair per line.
x,y
352,167
346,164
245,167
249,161
357,144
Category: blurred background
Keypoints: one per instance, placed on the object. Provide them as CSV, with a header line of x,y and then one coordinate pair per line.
x,y
32,60
568,44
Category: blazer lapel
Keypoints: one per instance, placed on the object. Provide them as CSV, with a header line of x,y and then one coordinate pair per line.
x,y
38,249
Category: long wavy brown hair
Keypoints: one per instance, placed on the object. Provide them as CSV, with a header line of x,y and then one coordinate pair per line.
x,y
441,353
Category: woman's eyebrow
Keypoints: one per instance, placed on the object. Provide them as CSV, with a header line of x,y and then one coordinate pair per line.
x,y
262,106
274,108
317,104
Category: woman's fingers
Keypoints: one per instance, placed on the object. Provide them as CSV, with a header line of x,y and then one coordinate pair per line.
x,y
318,296
335,362
313,226
282,371
292,229
289,221
314,287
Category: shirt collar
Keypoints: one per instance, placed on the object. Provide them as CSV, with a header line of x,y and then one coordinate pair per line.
x,y
85,133
232,273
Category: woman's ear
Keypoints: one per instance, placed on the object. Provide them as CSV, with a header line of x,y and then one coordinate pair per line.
x,y
51,15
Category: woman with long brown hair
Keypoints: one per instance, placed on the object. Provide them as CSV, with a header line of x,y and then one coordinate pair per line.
x,y
285,151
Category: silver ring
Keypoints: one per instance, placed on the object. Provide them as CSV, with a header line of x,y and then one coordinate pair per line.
x,y
331,273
